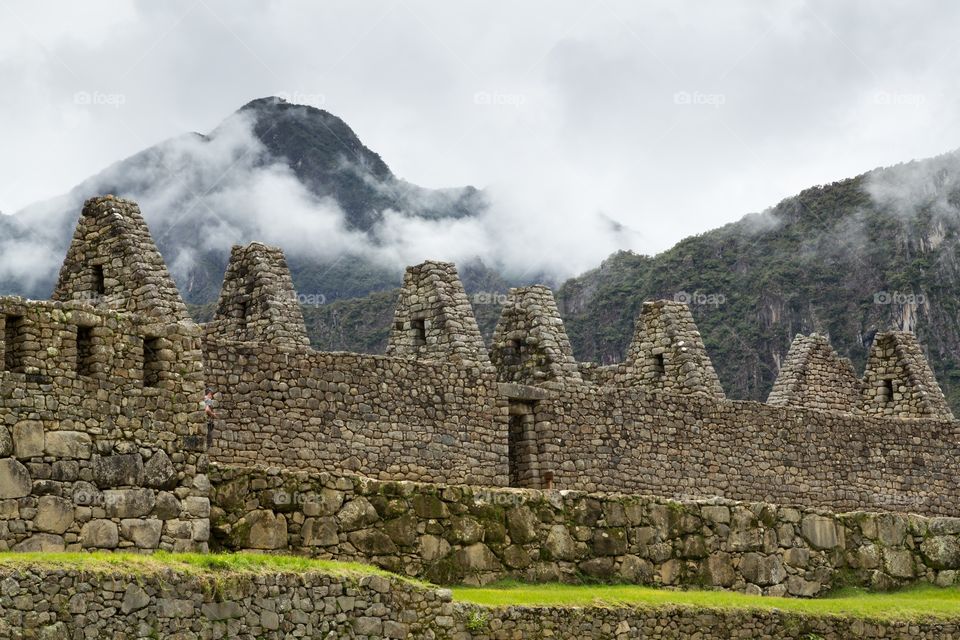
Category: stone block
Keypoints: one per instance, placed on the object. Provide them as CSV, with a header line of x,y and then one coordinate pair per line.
x,y
265,530
128,503
44,542
28,439
941,552
68,444
821,532
54,514
6,442
158,472
15,481
118,470
319,532
145,534
99,534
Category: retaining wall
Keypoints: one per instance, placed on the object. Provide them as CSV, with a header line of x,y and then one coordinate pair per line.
x,y
461,534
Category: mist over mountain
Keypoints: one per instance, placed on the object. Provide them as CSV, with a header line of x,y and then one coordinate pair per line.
x,y
875,252
297,177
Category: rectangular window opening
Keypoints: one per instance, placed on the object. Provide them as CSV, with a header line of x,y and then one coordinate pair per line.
x,y
419,328
84,351
151,362
13,339
99,284
886,392
659,366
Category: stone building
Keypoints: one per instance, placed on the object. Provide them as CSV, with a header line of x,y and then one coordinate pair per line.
x,y
103,438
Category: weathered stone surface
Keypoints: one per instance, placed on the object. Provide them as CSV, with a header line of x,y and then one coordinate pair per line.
x,y
266,530
559,544
762,570
319,532
134,599
128,503
118,470
68,444
356,514
15,480
100,534
145,534
28,439
54,514
6,442
159,472
942,552
45,542
821,532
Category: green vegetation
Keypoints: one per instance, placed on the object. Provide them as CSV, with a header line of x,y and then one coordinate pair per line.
x,y
912,604
193,563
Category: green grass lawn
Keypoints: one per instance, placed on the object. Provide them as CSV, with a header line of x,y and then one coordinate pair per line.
x,y
911,604
195,563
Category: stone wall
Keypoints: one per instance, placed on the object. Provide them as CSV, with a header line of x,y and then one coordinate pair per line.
x,y
393,418
102,441
462,534
257,301
69,603
47,604
91,453
814,376
614,439
434,319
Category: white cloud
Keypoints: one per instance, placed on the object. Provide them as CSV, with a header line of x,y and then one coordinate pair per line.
x,y
581,120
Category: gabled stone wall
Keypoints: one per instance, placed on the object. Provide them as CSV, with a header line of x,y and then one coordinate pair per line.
x,y
258,302
898,381
815,377
530,345
101,446
434,319
113,264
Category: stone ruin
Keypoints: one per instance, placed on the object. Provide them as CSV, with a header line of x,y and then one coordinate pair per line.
x,y
103,441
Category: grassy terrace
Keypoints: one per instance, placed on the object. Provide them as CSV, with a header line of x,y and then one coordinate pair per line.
x,y
912,604
192,563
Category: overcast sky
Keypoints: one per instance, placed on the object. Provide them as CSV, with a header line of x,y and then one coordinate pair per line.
x,y
670,117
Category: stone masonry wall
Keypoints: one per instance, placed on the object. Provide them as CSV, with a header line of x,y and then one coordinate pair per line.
x,y
530,345
46,604
113,263
898,381
610,439
434,319
462,534
392,418
92,453
814,376
257,301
